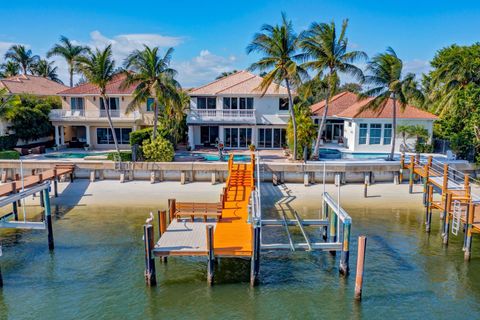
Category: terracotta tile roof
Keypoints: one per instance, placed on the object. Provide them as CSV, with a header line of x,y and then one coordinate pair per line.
x,y
338,104
113,87
347,105
39,86
242,82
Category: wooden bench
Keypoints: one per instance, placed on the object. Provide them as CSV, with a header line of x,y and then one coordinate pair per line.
x,y
198,209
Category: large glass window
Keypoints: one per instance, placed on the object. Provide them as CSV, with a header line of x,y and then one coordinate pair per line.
x,y
208,135
114,103
76,103
226,103
237,103
271,137
387,133
249,103
375,133
362,137
206,103
283,104
150,102
237,137
104,135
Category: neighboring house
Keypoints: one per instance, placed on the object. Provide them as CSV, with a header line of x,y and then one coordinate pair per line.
x,y
366,131
83,119
233,111
28,84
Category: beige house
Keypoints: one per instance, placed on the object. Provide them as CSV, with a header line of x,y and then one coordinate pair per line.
x,y
83,120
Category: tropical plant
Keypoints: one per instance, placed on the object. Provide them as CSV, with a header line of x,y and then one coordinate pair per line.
x,y
174,118
9,69
70,52
305,126
153,78
98,67
158,149
387,83
22,56
418,132
7,101
281,60
225,74
329,55
43,68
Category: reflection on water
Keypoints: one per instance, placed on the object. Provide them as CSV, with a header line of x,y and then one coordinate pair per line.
x,y
96,271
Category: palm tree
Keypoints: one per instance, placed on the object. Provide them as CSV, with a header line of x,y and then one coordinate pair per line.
x,y
7,102
98,67
70,52
330,56
386,82
226,74
21,55
9,69
281,60
45,69
153,78
175,113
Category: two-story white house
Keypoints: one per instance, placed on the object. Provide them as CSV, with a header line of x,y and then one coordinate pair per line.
x,y
232,110
83,119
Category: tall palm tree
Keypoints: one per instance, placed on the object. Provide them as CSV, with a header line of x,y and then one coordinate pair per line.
x,y
386,82
329,55
70,52
153,78
45,69
9,69
98,67
21,55
281,60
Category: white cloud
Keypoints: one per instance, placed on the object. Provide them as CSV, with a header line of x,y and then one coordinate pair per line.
x,y
416,66
4,46
203,68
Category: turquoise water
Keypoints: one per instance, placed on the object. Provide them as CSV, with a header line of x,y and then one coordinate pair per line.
x,y
96,272
210,157
334,154
73,155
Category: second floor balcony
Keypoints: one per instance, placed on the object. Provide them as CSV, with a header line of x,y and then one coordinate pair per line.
x,y
221,115
82,115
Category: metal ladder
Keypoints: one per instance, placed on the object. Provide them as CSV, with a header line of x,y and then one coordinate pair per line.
x,y
456,217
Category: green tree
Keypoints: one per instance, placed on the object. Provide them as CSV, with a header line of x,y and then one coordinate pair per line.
x,y
9,69
226,74
98,67
70,52
386,82
158,149
418,132
279,46
22,56
152,77
329,55
43,68
305,127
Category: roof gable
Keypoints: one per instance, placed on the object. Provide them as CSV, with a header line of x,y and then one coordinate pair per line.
x,y
28,84
113,87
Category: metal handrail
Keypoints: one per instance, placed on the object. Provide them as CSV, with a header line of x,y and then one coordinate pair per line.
x,y
339,211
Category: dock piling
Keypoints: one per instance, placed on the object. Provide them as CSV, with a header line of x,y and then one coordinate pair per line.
x,y
410,174
365,184
362,246
48,219
55,183
211,256
171,209
428,208
345,255
255,262
150,274
162,227
468,232
448,204
14,203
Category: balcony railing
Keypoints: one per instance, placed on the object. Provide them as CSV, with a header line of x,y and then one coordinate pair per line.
x,y
61,114
212,115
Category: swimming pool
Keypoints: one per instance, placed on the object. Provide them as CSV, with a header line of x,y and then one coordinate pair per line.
x,y
73,155
211,157
335,154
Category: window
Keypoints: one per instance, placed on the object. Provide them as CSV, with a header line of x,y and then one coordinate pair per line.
x,y
104,135
206,103
76,103
114,103
237,103
208,135
283,104
387,133
375,133
362,138
243,103
150,102
226,103
249,103
271,138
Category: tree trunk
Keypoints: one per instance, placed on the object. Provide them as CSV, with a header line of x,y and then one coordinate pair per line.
x,y
294,121
321,125
394,127
155,118
71,75
106,103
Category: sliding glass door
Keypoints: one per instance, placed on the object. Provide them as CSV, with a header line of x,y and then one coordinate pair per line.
x,y
239,138
269,138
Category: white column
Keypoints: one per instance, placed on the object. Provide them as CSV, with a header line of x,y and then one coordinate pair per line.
x,y
62,135
191,141
57,137
254,136
221,134
87,135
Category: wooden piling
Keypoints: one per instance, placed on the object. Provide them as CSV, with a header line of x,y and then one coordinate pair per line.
x,y
14,203
42,202
255,262
345,255
211,255
468,232
445,179
48,219
162,227
365,185
171,209
362,246
402,166
410,176
150,274
428,208
448,203
55,183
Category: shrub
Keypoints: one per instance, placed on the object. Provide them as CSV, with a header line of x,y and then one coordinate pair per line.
x,y
8,142
160,150
124,156
10,154
139,136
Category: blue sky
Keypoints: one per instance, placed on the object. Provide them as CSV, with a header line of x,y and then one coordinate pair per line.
x,y
210,36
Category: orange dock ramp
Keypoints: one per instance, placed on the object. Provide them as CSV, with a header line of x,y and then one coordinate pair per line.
x,y
233,233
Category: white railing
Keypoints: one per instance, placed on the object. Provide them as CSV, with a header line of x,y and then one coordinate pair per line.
x,y
61,114
244,115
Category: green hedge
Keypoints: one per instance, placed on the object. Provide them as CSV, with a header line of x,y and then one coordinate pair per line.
x,y
159,149
124,156
8,142
11,154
